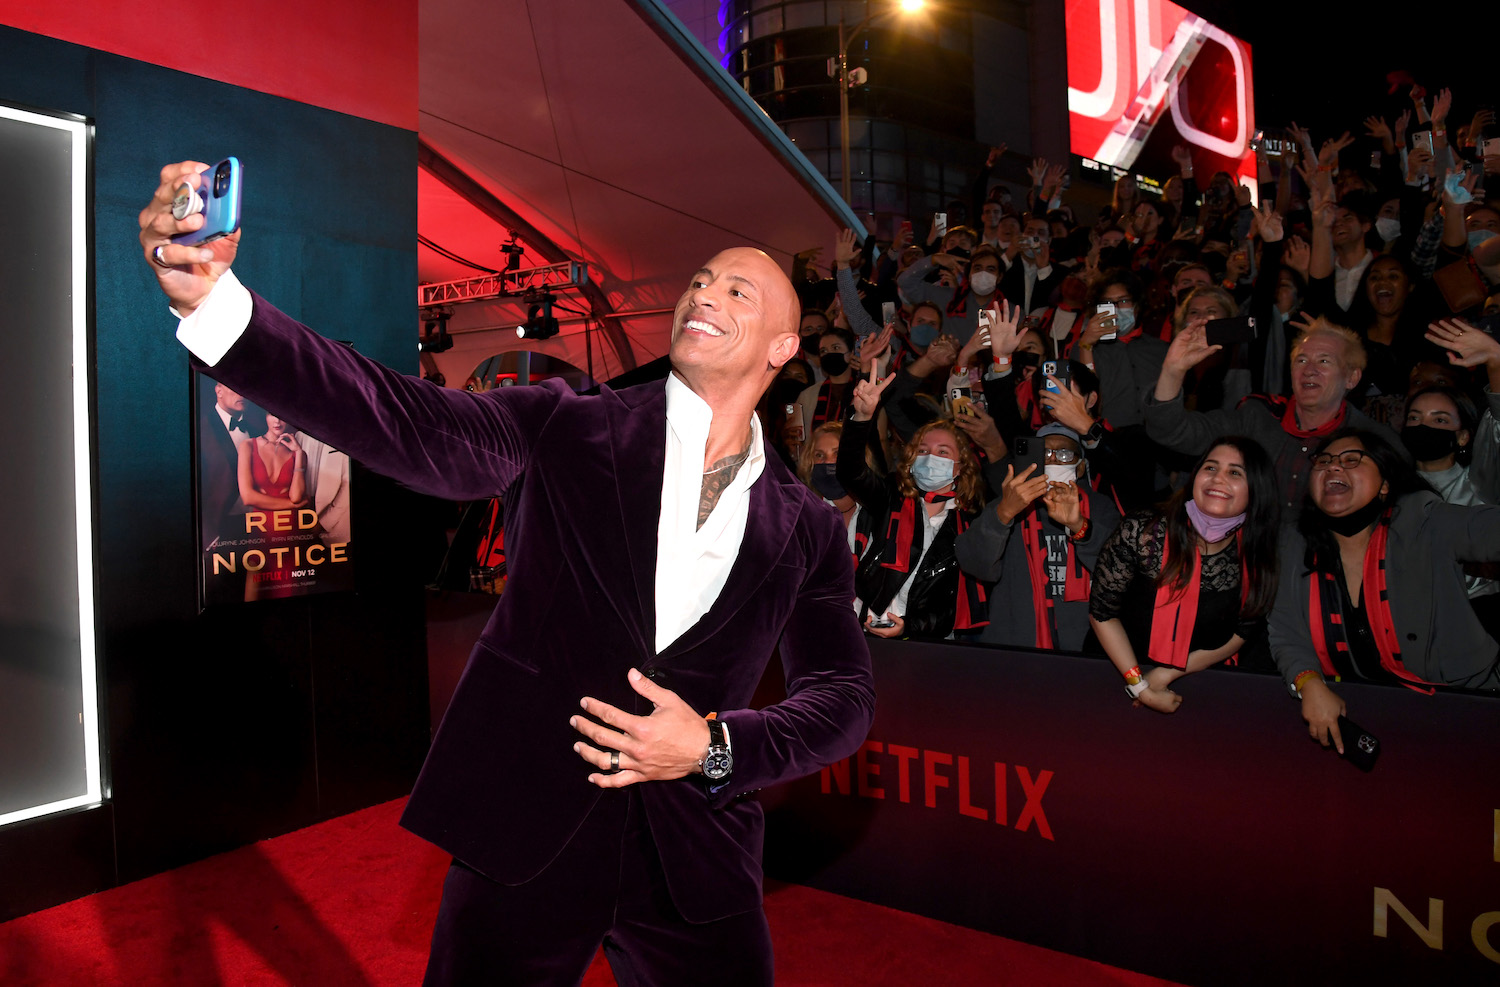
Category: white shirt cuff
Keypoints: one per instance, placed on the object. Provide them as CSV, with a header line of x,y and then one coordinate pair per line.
x,y
218,322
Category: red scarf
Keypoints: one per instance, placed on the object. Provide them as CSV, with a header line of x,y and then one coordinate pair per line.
x,y
1176,611
1291,427
1076,588
829,410
1323,607
902,545
1027,404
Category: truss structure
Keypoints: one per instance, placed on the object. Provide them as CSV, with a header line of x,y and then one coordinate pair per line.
x,y
506,284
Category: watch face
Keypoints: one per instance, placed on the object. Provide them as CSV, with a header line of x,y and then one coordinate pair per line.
x,y
717,764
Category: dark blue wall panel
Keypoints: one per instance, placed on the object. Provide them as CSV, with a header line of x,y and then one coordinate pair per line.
x,y
232,725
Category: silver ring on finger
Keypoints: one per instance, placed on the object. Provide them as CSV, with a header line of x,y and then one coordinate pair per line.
x,y
156,256
614,761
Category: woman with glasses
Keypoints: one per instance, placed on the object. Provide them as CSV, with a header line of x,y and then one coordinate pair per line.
x,y
1038,542
1371,584
1186,587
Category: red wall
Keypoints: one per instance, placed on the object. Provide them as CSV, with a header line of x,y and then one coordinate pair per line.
x,y
354,56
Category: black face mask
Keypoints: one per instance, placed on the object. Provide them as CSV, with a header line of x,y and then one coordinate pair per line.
x,y
1427,444
833,364
1021,359
959,252
1352,524
1117,256
826,482
786,391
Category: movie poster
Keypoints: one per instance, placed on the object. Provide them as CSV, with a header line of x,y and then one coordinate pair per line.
x,y
272,504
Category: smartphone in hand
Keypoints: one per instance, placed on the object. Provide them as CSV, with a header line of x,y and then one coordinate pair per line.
x,y
1227,332
217,197
1107,309
1361,748
1029,450
1058,369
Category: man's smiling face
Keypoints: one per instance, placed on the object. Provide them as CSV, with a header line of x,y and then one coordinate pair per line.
x,y
735,309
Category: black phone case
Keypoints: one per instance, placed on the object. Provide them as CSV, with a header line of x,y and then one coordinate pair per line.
x,y
1226,332
1030,450
1361,748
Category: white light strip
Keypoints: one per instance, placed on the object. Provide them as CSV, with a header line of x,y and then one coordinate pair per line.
x,y
82,464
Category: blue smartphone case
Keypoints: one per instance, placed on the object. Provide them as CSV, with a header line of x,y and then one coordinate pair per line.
x,y
221,204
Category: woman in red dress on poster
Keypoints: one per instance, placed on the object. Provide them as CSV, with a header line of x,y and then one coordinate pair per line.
x,y
273,477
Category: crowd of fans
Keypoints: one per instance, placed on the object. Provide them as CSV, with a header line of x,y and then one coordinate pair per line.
x,y
1219,424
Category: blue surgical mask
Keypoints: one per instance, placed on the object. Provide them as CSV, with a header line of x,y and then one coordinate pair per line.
x,y
1388,227
1124,320
1476,237
923,334
931,473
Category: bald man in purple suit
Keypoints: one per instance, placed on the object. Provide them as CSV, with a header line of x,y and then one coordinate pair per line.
x,y
590,777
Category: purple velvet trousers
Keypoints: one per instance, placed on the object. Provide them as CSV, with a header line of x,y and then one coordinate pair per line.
x,y
605,887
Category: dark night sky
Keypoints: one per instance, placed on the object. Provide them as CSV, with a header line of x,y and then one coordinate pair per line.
x,y
1327,68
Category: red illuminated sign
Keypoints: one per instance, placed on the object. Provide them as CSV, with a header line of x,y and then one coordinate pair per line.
x,y
1144,75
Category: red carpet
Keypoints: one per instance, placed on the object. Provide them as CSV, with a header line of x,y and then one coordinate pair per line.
x,y
352,901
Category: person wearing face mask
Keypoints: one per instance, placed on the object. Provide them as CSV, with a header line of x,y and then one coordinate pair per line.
x,y
909,578
1059,324
1037,542
960,304
810,329
818,468
1371,586
1030,283
829,401
778,410
1456,449
1185,587
1129,362
919,385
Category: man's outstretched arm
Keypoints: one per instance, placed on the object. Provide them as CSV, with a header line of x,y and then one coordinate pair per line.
x,y
451,444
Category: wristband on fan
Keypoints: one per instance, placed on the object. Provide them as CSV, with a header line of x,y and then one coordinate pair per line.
x,y
1302,680
1135,683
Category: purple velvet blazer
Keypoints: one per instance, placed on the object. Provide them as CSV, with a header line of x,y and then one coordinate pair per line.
x,y
502,789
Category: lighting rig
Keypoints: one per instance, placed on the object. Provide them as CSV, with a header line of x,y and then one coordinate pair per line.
x,y
435,338
537,287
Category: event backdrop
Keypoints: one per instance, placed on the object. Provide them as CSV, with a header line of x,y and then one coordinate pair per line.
x,y
1020,793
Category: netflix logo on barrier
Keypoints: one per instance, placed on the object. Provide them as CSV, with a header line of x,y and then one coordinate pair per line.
x,y
978,789
1145,75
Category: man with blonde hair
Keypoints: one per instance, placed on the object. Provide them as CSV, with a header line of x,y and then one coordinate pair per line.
x,y
1327,361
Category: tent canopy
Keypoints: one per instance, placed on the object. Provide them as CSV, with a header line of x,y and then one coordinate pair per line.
x,y
598,131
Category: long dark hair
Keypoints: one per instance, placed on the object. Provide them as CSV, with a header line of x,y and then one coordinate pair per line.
x,y
1321,548
1258,535
1468,414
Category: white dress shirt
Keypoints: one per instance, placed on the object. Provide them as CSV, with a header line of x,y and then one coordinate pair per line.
x,y
692,563
238,435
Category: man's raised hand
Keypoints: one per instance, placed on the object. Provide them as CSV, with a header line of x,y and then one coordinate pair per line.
x,y
186,274
667,744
